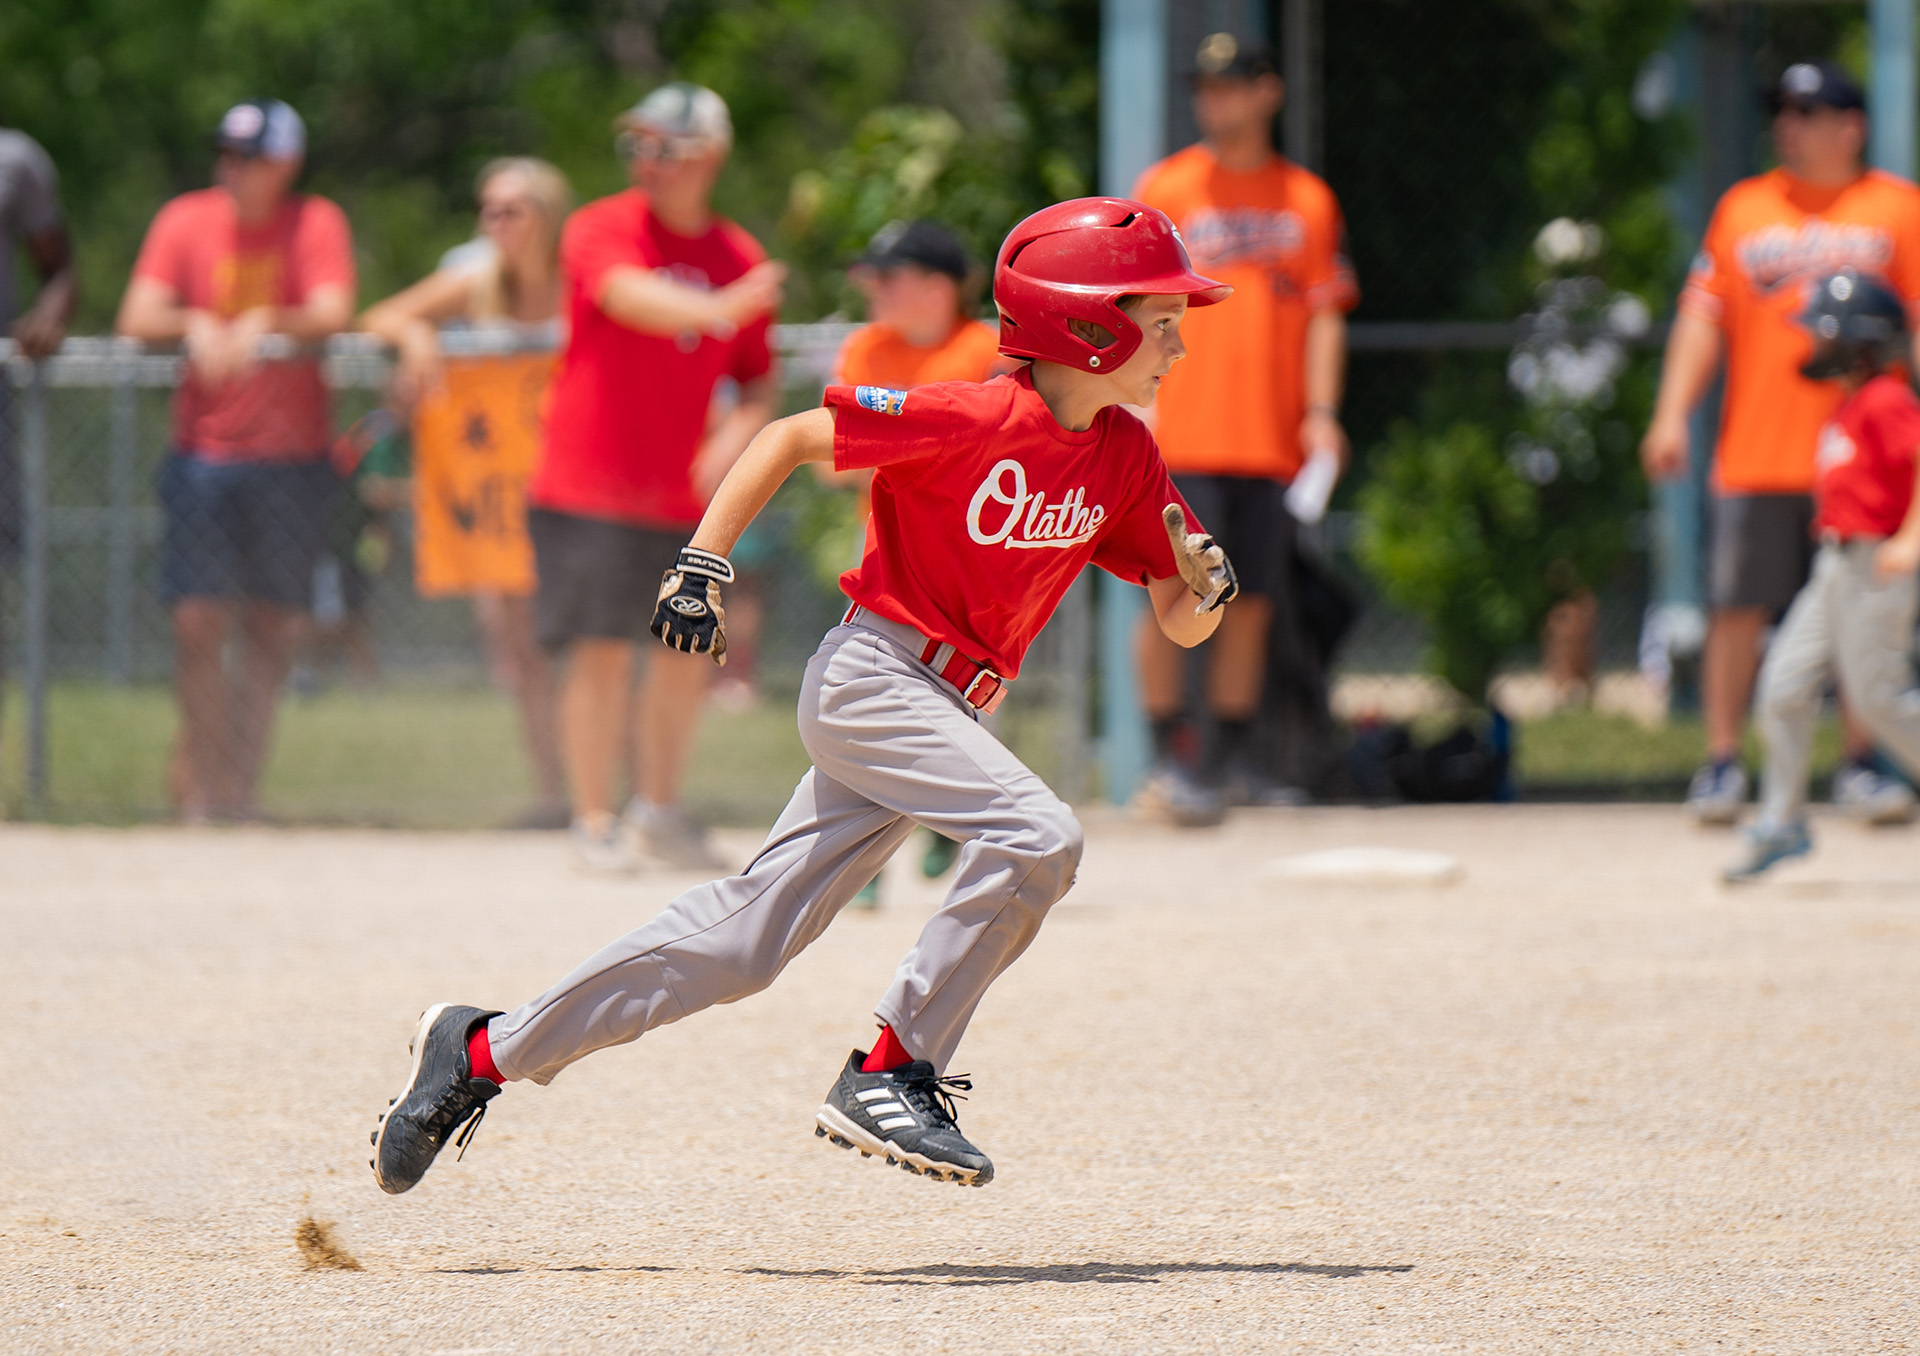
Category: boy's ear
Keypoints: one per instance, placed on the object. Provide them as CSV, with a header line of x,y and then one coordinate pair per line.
x,y
1090,333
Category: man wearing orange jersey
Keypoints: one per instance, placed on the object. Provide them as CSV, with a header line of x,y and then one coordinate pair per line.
x,y
1770,237
1258,394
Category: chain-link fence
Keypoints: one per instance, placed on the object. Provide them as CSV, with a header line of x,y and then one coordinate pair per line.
x,y
385,675
390,701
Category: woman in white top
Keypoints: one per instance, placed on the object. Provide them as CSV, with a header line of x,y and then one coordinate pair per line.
x,y
510,276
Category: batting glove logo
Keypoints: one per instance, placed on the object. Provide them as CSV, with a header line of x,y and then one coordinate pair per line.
x,y
688,616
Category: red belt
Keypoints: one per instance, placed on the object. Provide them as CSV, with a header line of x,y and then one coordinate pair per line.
x,y
979,686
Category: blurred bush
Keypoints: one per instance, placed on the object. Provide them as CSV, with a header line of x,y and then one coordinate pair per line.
x,y
1508,490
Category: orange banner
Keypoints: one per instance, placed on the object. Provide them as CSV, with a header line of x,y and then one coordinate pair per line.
x,y
474,446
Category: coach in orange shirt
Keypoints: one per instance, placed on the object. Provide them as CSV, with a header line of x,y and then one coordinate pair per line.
x,y
1771,236
1259,391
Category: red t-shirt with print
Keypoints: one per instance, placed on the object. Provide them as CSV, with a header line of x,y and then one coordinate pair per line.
x,y
985,509
198,249
1863,470
627,410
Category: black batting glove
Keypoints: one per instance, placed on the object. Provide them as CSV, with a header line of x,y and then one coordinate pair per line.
x,y
688,617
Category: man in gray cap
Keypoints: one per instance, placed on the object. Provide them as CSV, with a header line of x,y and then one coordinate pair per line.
x,y
664,301
246,486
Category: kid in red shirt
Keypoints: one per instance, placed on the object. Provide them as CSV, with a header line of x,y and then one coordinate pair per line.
x,y
987,503
1854,619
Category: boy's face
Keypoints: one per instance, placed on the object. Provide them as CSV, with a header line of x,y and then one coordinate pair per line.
x,y
909,298
1138,379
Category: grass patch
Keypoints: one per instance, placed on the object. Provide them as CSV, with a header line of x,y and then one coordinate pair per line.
x,y
449,756
1584,750
401,755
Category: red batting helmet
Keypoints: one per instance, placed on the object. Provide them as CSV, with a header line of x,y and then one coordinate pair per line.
x,y
1074,261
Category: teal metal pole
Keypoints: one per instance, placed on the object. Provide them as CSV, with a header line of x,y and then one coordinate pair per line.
x,y
1133,123
1890,87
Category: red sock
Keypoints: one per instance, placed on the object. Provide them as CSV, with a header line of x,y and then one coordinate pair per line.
x,y
888,1053
480,1056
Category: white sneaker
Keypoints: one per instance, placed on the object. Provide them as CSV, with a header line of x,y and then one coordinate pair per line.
x,y
1716,794
608,851
666,833
1171,792
1868,796
1764,846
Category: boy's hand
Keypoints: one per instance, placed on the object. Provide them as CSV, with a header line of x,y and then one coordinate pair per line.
x,y
1895,556
688,617
1202,564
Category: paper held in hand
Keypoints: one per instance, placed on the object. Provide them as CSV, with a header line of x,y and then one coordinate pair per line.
x,y
1307,496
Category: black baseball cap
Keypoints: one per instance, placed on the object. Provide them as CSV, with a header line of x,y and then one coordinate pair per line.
x,y
1810,84
1224,56
262,128
927,244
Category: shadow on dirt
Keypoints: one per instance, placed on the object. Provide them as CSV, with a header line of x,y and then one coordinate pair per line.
x,y
515,1271
1073,1273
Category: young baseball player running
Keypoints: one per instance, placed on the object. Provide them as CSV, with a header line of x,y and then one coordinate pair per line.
x,y
988,501
1855,616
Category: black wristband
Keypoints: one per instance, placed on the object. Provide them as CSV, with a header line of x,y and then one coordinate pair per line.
x,y
692,560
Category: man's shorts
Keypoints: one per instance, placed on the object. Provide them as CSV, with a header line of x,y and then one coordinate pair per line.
x,y
244,529
1248,517
599,580
1760,549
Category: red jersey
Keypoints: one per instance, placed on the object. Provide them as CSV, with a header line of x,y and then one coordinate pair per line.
x,y
198,249
1864,469
985,509
627,410
1770,237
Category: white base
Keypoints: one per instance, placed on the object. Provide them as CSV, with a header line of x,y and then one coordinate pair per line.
x,y
1368,866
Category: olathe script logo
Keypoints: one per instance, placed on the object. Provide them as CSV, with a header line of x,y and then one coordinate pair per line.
x,y
1031,522
880,399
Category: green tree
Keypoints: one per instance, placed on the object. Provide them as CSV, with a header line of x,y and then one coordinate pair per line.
x,y
1511,490
405,102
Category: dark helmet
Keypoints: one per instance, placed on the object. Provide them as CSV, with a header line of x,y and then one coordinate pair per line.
x,y
1855,321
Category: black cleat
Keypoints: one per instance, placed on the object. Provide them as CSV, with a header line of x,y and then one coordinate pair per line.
x,y
906,1116
441,1096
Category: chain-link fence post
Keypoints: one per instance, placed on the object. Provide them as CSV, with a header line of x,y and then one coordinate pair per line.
x,y
34,610
120,517
1071,702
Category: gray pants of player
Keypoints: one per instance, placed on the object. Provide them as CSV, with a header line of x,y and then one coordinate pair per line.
x,y
1848,623
893,745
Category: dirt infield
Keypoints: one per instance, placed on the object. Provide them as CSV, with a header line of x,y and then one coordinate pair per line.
x,y
1582,1099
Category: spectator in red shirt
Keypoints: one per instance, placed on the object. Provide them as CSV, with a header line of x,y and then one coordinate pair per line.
x,y
246,487
1853,621
664,299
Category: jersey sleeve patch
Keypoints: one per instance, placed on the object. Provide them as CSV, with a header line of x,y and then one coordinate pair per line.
x,y
880,399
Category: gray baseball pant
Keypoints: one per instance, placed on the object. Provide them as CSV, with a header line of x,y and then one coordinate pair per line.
x,y
1845,622
893,745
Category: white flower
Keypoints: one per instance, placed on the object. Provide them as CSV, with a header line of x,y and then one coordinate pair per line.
x,y
1628,317
1564,241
